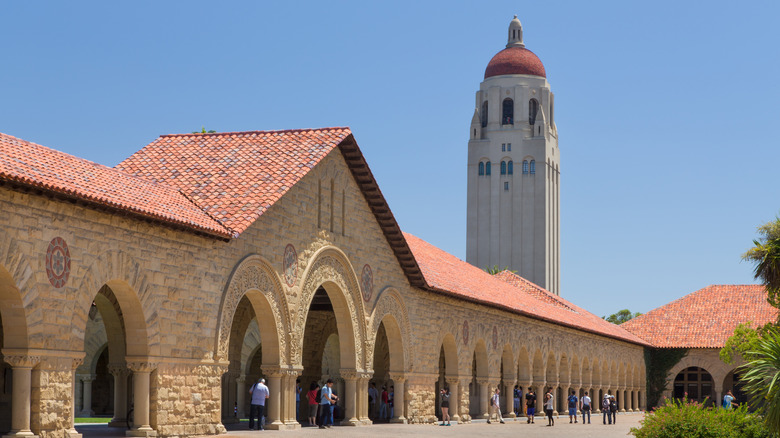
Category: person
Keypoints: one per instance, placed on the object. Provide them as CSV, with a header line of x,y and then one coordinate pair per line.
x,y
390,402
298,390
585,407
516,397
373,395
606,415
327,401
549,403
728,400
383,404
312,398
530,403
495,406
572,407
445,406
259,393
613,408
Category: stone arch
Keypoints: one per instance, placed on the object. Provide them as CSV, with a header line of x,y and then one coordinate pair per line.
x,y
481,355
12,312
551,369
451,355
575,371
523,366
391,311
712,364
124,276
586,372
253,277
330,269
538,371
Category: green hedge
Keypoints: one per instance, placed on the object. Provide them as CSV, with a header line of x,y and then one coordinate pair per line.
x,y
685,419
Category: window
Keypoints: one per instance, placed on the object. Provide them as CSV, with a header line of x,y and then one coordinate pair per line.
x,y
525,167
487,168
503,147
509,147
533,167
506,185
510,168
508,113
533,110
481,168
484,113
503,168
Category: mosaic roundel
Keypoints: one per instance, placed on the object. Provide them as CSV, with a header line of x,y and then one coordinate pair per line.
x,y
367,283
58,262
495,337
465,332
290,265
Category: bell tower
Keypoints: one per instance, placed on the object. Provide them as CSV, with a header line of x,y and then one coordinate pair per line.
x,y
513,168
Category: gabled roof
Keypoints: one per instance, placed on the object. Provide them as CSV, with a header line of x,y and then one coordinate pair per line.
x,y
447,274
30,166
705,318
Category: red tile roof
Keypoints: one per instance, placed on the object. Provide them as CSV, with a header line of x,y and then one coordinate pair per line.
x,y
515,61
32,166
705,318
234,176
447,274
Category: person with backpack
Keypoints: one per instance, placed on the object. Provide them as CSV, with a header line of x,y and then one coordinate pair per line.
x,y
517,396
495,406
585,407
572,407
530,403
259,393
605,410
613,409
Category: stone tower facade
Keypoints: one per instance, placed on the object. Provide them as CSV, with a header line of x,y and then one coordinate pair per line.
x,y
514,167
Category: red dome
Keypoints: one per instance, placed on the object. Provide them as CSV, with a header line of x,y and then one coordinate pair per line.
x,y
515,61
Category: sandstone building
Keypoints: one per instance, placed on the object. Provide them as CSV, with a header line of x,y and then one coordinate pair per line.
x,y
173,281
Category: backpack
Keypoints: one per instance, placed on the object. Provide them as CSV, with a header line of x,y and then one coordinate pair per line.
x,y
612,405
605,404
572,401
318,398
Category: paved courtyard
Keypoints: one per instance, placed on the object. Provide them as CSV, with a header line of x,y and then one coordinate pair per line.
x,y
562,429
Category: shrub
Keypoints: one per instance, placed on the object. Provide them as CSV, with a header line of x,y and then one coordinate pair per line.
x,y
687,419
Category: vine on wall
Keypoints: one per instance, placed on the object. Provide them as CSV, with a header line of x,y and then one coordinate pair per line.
x,y
659,361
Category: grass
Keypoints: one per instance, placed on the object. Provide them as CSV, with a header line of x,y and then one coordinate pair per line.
x,y
92,420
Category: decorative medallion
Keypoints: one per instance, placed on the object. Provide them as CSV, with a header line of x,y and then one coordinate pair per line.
x,y
290,265
58,262
465,332
367,283
495,337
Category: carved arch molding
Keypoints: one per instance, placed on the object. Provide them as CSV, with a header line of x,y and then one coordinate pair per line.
x,y
390,303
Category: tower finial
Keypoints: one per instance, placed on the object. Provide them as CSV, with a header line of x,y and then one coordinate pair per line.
x,y
515,37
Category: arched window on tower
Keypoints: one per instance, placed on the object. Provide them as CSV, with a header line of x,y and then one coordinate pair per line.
x,y
481,168
487,168
525,167
503,168
510,168
533,110
484,113
508,112
533,167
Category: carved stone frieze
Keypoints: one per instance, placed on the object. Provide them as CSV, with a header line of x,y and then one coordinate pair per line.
x,y
22,361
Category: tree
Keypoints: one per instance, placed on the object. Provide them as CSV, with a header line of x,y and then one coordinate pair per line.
x,y
744,340
495,269
766,255
621,316
203,131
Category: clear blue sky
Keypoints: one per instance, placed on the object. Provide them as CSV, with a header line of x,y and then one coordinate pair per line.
x,y
667,111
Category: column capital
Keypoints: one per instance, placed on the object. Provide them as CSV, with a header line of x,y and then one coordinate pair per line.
x,y
76,362
272,371
452,380
141,366
397,376
241,379
348,374
22,360
86,377
118,370
483,380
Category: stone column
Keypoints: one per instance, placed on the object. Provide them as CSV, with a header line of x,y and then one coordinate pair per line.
x,y
635,400
362,409
484,394
509,398
454,385
241,395
142,371
120,373
86,400
21,373
541,390
621,399
273,404
289,417
526,384
399,403
349,398
71,431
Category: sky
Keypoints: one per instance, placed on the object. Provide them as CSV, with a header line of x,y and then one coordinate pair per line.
x,y
667,111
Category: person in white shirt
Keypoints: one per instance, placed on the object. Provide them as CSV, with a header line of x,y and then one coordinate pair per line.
x,y
495,406
259,393
585,407
549,403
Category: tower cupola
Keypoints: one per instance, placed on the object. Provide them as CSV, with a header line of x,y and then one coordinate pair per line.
x,y
515,38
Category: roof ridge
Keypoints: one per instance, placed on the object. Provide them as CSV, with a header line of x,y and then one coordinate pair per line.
x,y
274,131
232,232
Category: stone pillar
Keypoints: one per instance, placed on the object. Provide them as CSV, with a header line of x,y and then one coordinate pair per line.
x,y
621,399
509,398
454,385
86,400
399,403
241,395
484,394
634,400
71,431
273,404
142,371
120,373
21,373
526,384
541,390
350,397
289,416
